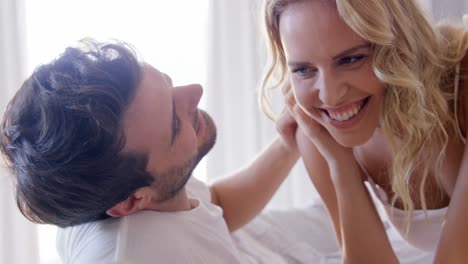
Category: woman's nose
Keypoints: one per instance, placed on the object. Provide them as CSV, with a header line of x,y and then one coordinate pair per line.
x,y
330,92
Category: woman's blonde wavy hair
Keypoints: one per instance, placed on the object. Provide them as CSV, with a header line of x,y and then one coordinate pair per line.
x,y
416,63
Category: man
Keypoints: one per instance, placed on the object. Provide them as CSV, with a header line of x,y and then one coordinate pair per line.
x,y
104,146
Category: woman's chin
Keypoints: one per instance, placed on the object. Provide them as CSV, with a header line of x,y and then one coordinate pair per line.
x,y
351,141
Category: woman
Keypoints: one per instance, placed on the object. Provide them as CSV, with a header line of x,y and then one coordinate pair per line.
x,y
379,94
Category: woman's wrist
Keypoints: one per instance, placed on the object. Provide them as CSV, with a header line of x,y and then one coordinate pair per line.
x,y
287,148
341,159
344,172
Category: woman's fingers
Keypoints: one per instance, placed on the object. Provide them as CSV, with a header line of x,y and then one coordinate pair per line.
x,y
286,88
305,120
331,150
307,123
290,100
318,134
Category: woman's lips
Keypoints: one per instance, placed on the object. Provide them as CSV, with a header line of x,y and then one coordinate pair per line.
x,y
348,116
346,112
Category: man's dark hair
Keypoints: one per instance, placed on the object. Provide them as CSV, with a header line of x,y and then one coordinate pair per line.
x,y
62,136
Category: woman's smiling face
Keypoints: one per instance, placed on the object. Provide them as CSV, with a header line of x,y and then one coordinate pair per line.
x,y
331,71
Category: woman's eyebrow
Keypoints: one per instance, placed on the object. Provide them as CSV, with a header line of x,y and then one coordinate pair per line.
x,y
294,64
351,50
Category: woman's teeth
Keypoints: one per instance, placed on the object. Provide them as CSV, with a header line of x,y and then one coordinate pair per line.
x,y
346,115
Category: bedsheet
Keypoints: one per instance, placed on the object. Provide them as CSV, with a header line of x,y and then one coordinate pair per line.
x,y
305,235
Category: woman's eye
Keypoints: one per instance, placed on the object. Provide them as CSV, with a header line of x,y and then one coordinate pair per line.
x,y
303,71
351,59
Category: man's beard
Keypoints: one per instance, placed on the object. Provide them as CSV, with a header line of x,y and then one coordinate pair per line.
x,y
170,183
210,141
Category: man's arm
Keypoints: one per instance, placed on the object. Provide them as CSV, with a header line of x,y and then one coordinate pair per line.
x,y
245,193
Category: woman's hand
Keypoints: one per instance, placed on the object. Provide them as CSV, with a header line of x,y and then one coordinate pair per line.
x,y
332,151
286,126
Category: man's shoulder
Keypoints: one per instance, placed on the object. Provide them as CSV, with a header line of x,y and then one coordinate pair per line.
x,y
198,189
88,241
108,241
142,220
94,228
146,231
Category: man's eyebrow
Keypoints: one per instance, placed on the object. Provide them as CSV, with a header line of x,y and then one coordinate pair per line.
x,y
351,50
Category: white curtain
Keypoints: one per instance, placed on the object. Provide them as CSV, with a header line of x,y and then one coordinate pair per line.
x,y
235,65
18,238
452,10
445,10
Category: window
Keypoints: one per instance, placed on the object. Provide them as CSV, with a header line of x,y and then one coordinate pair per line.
x,y
170,35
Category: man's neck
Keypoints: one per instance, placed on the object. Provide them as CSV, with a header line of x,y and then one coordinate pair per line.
x,y
180,202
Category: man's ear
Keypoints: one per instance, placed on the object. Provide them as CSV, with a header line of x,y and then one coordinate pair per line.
x,y
138,201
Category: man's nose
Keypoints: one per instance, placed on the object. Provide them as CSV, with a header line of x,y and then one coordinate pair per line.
x,y
189,95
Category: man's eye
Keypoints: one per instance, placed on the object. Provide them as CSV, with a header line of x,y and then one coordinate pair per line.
x,y
351,60
178,126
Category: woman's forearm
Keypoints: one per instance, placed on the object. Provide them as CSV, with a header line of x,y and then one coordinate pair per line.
x,y
245,193
363,235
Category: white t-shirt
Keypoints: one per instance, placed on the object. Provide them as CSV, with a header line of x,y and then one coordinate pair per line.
x,y
199,235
